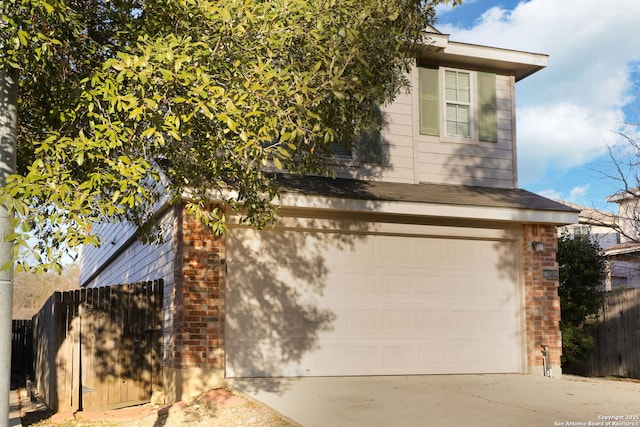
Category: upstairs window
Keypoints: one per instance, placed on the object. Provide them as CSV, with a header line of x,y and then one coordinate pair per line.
x,y
342,151
458,104
367,146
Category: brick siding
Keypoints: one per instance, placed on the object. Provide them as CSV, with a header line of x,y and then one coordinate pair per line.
x,y
542,303
198,316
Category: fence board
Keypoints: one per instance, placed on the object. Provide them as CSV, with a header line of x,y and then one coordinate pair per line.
x,y
103,348
617,337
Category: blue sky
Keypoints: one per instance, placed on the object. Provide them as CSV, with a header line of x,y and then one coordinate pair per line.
x,y
570,112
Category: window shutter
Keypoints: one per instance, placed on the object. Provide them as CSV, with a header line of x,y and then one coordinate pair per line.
x,y
428,92
488,107
371,146
370,140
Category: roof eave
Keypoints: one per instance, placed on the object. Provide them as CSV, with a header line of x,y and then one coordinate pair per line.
x,y
520,64
434,210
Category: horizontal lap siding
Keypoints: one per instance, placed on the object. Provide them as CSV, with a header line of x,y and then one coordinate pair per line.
x,y
397,147
136,262
111,238
485,164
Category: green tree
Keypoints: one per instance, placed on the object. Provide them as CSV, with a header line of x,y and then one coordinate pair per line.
x,y
123,102
582,271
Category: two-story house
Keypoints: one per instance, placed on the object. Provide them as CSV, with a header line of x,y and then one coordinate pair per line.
x,y
623,259
422,257
602,228
598,225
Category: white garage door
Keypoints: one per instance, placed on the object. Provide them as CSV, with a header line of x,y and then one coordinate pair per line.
x,y
322,304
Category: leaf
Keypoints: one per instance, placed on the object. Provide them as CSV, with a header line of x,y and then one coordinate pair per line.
x,y
23,36
339,95
226,15
48,7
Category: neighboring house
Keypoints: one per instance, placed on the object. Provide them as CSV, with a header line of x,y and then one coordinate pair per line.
x,y
597,224
624,258
612,233
422,257
600,227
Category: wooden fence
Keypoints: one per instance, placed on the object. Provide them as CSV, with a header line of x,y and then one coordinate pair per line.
x,y
617,337
21,352
99,348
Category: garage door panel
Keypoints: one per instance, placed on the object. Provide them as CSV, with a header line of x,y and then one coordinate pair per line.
x,y
397,285
465,324
469,356
367,305
434,358
399,320
433,253
398,355
393,252
358,285
429,285
433,323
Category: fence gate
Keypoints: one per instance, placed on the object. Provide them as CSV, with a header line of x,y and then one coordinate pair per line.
x,y
21,352
102,348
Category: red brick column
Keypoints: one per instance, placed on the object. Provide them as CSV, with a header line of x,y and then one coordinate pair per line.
x,y
197,358
541,298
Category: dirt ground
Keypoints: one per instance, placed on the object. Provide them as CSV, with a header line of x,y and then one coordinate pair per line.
x,y
214,408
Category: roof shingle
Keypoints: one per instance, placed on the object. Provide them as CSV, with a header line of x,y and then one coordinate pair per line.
x,y
464,195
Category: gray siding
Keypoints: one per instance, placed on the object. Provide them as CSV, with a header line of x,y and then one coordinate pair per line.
x,y
135,261
397,146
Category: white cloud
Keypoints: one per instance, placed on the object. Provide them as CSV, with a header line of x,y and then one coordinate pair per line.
x,y
578,193
568,112
551,194
555,137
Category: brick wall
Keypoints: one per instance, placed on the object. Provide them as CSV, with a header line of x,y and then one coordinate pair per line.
x,y
197,348
541,298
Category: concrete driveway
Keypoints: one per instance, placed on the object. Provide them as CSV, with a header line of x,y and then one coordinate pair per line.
x,y
448,400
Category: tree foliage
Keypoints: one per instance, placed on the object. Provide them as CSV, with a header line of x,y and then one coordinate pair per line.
x,y
582,271
124,102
